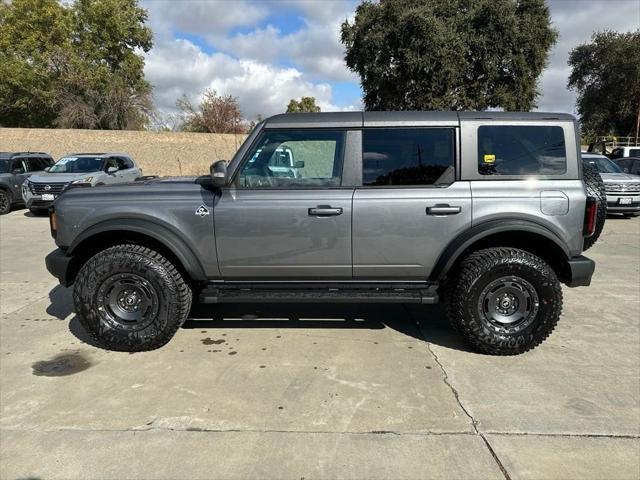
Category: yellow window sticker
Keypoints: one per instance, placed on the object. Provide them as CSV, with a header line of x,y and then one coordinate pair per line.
x,y
489,159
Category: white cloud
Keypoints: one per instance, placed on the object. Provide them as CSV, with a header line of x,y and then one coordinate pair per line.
x,y
179,67
576,20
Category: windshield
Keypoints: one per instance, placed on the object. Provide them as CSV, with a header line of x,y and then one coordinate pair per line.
x,y
602,164
4,165
77,165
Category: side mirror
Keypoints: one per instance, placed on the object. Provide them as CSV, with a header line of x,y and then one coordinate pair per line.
x,y
219,173
299,164
111,170
46,169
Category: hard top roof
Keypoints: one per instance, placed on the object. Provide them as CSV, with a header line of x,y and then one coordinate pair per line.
x,y
101,154
7,155
403,118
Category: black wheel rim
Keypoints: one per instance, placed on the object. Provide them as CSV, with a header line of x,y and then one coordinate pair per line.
x,y
509,302
127,300
4,202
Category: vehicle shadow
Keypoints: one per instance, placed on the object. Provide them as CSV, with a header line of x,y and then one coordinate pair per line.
x,y
423,322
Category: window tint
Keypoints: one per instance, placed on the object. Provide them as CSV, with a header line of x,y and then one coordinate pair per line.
x,y
294,159
617,153
521,150
411,156
18,165
634,152
36,164
124,163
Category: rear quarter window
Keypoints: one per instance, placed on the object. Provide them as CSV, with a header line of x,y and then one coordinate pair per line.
x,y
521,150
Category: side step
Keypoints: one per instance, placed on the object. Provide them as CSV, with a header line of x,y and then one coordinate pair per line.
x,y
319,293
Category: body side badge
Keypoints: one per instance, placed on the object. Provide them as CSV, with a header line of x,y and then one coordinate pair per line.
x,y
202,211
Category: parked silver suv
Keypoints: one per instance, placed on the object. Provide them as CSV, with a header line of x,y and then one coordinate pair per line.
x,y
623,189
487,210
88,169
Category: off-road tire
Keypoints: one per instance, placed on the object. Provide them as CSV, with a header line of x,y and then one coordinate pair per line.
x,y
595,189
5,202
154,277
465,303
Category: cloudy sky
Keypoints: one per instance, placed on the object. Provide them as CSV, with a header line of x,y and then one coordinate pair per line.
x,y
266,52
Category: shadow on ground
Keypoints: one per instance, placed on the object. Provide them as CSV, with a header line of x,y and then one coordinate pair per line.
x,y
423,322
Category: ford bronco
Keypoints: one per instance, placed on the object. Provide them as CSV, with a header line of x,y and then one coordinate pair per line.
x,y
488,211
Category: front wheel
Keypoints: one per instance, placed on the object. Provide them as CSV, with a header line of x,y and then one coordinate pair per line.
x,y
504,301
5,202
131,298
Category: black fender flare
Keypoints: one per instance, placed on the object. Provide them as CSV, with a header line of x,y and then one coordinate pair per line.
x,y
156,231
458,245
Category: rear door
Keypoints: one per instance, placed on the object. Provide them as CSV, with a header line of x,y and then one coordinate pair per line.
x,y
21,169
410,205
287,224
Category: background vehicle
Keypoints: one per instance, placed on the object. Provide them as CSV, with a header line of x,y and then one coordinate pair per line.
x,y
629,165
624,152
15,168
623,189
488,210
90,169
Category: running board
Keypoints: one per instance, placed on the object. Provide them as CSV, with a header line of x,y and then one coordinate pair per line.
x,y
319,293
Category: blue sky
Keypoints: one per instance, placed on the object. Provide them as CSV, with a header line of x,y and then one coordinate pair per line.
x,y
266,52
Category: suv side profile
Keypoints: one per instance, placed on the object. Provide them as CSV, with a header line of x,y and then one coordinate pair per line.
x,y
15,168
486,210
86,169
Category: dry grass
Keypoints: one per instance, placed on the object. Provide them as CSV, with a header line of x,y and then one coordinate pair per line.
x,y
164,154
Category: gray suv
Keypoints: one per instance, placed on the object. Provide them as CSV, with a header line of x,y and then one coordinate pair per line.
x,y
84,169
622,189
487,211
15,168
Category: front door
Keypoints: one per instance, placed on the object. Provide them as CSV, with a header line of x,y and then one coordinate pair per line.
x,y
288,221
410,205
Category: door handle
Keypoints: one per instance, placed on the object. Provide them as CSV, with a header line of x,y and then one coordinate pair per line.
x,y
324,211
443,209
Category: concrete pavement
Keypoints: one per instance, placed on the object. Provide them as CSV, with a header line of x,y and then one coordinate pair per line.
x,y
349,391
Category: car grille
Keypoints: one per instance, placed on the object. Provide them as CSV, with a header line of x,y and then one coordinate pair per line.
x,y
40,188
622,187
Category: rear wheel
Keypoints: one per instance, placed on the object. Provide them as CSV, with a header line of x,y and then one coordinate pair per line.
x,y
504,301
131,298
5,202
595,189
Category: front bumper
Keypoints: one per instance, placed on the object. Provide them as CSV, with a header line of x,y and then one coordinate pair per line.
x,y
31,200
58,264
581,270
614,205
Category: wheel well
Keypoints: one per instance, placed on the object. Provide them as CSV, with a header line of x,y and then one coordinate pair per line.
x,y
103,240
538,245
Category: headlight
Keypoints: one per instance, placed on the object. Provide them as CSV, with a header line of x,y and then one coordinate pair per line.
x,y
83,180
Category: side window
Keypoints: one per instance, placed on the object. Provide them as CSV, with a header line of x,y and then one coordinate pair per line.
x,y
124,163
617,153
18,165
35,164
521,150
408,156
111,162
294,159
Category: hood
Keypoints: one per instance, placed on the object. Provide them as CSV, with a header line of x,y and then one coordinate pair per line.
x,y
620,178
46,177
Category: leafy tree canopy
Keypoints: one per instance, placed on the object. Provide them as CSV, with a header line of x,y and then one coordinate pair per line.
x,y
606,75
73,65
449,54
306,104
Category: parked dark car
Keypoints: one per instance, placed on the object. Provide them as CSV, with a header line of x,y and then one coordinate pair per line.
x,y
629,165
15,168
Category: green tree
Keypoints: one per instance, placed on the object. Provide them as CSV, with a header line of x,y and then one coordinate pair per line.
x,y
449,54
306,104
606,75
74,65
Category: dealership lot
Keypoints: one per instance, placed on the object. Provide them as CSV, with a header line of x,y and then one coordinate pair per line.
x,y
318,391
